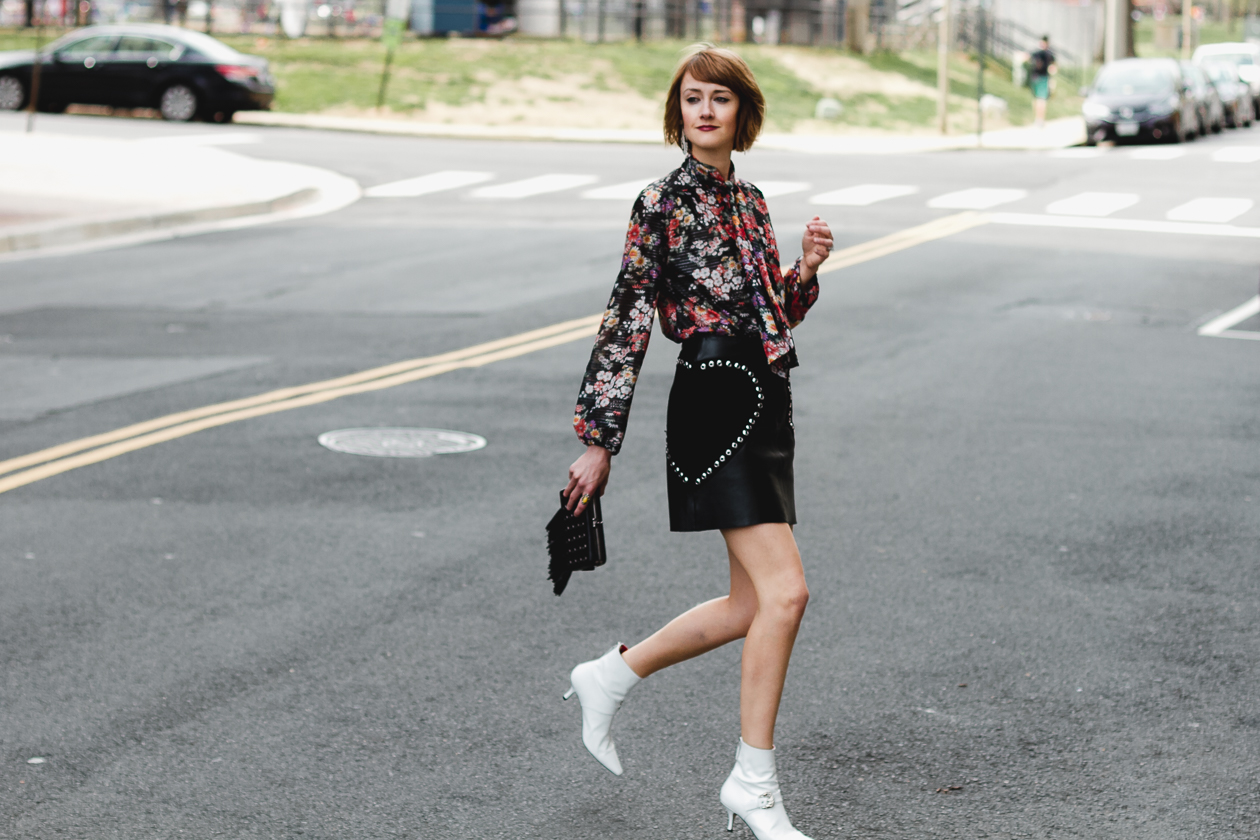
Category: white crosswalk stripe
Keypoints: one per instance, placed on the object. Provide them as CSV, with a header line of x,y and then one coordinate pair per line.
x,y
977,198
434,182
538,185
863,195
1219,210
1157,153
1092,204
627,190
1237,154
770,189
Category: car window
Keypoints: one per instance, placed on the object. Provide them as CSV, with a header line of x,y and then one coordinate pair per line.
x,y
138,46
209,47
1133,78
94,45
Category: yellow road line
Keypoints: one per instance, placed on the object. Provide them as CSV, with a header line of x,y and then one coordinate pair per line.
x,y
55,460
62,450
902,239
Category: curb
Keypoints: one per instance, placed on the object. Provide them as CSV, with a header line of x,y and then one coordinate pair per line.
x,y
61,234
860,144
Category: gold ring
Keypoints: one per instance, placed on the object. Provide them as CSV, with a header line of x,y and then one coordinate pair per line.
x,y
585,500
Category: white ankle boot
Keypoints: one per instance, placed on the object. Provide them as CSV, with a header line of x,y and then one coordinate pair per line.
x,y
601,685
752,792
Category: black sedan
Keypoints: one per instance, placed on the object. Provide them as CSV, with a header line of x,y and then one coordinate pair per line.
x,y
1140,98
1234,92
185,75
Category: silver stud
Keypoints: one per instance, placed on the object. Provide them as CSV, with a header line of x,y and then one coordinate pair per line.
x,y
723,458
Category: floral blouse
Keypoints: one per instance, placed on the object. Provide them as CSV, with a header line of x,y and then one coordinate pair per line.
x,y
701,250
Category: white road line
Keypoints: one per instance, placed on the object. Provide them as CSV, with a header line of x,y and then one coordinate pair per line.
x,y
1157,153
1079,152
1092,204
770,189
235,138
433,182
978,198
1136,225
1219,327
539,184
627,190
1237,154
1216,210
863,194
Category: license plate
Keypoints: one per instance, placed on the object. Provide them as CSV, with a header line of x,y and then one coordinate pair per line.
x,y
1126,129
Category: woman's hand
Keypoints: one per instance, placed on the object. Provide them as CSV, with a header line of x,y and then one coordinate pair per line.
x,y
815,246
587,477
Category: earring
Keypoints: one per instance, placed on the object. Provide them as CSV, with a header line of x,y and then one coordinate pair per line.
x,y
686,145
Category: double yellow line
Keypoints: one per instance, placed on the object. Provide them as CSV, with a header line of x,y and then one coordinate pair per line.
x,y
92,450
26,469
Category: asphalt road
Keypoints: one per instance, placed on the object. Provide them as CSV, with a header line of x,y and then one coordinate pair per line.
x,y
1029,496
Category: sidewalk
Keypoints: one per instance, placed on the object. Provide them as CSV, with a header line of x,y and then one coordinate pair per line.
x,y
60,191
1058,134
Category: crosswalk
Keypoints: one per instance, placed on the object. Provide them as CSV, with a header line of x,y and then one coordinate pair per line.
x,y
1226,154
1205,210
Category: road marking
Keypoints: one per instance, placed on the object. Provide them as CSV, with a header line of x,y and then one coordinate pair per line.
x,y
978,198
1237,154
1138,225
1217,210
539,184
65,457
450,179
627,190
863,195
1092,204
285,394
1078,152
1157,153
1219,327
901,240
236,138
770,189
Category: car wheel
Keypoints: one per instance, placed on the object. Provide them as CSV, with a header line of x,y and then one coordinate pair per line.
x,y
12,93
178,103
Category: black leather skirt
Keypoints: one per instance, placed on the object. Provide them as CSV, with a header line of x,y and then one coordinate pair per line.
x,y
729,438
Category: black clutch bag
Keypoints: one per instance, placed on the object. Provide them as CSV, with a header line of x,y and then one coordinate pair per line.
x,y
575,543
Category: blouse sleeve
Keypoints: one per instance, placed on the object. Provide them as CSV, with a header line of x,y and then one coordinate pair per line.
x,y
799,295
603,405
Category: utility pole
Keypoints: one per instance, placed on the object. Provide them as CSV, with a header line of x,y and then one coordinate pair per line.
x,y
942,71
1115,35
981,26
1187,28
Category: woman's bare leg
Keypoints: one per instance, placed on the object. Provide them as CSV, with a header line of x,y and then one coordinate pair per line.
x,y
765,605
772,563
700,629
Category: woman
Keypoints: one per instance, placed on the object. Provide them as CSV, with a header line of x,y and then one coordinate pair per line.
x,y
701,251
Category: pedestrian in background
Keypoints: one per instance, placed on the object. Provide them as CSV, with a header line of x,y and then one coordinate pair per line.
x,y
1041,67
701,251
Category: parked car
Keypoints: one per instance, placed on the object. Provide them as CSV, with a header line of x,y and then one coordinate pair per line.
x,y
1211,111
185,75
1234,92
1244,56
1140,99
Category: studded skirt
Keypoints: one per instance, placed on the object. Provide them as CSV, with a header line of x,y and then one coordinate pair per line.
x,y
729,437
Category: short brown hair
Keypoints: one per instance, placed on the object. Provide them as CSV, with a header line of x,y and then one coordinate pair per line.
x,y
707,63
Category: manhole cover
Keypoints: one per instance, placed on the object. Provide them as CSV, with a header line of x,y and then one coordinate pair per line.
x,y
400,443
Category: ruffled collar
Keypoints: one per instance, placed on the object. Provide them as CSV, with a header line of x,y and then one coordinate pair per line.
x,y
707,176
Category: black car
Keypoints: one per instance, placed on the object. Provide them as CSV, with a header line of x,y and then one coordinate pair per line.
x,y
185,75
1211,111
1234,92
1140,98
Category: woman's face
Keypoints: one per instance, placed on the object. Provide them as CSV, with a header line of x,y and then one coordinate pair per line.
x,y
708,111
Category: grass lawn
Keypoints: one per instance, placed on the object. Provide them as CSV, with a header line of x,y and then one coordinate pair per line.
x,y
317,74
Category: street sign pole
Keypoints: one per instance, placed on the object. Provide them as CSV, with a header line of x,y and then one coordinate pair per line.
x,y
395,21
980,31
36,71
942,70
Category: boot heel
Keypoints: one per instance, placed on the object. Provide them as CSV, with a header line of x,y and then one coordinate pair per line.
x,y
730,820
569,693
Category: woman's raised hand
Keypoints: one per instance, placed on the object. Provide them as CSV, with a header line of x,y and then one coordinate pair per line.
x,y
587,478
815,246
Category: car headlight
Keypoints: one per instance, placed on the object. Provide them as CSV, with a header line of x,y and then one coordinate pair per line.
x,y
1165,106
1096,110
